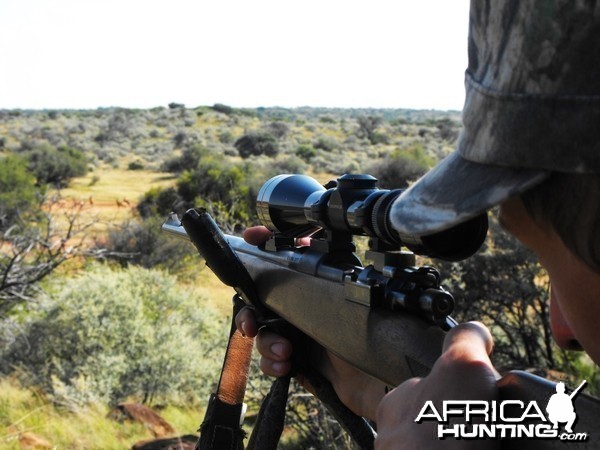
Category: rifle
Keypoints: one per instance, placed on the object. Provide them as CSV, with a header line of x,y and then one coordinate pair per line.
x,y
387,318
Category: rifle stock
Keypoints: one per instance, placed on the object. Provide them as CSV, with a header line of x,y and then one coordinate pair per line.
x,y
327,302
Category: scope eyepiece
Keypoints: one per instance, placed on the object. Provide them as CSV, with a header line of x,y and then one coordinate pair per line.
x,y
297,205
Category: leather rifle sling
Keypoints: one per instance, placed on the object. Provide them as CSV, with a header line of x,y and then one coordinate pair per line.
x,y
221,428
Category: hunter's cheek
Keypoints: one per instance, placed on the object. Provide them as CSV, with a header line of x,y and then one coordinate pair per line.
x,y
561,331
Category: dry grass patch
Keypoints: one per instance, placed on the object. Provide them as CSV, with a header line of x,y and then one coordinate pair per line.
x,y
111,195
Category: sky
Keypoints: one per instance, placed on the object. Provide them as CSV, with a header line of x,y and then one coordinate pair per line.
x,y
244,53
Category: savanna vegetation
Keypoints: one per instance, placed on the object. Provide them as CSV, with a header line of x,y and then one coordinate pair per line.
x,y
97,307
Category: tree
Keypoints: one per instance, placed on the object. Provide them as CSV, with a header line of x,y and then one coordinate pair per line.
x,y
224,109
29,252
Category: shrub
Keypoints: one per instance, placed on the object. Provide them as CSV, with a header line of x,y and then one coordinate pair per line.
x,y
397,171
56,166
143,244
189,159
257,143
160,202
326,143
17,189
379,138
135,165
367,126
179,139
289,164
227,190
225,137
109,335
279,129
448,129
215,181
306,152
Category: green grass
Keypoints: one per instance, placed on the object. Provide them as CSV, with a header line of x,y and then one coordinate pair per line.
x,y
27,411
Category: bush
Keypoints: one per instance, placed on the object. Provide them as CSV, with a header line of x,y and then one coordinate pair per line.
x,y
326,143
397,171
258,143
306,152
367,126
17,190
289,164
279,129
158,202
179,139
189,159
225,137
226,189
56,166
135,165
448,129
217,182
110,335
143,244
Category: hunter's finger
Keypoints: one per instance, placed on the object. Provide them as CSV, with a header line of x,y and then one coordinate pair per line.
x,y
469,341
275,368
465,364
272,346
257,235
245,322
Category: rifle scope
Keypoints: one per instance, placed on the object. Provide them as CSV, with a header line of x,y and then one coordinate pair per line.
x,y
297,205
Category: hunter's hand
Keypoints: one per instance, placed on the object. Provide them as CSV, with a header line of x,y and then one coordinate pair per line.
x,y
358,391
463,372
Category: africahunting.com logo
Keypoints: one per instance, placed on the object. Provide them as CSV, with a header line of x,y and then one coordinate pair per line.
x,y
512,419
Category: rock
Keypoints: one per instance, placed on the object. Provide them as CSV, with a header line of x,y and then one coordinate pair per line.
x,y
186,442
158,426
32,441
